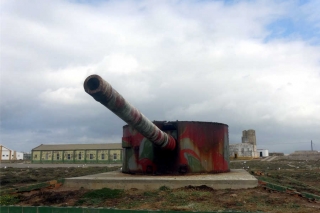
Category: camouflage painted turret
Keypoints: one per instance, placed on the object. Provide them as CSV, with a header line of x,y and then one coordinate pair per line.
x,y
161,147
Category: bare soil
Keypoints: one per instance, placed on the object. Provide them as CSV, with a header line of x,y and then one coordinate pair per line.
x,y
300,175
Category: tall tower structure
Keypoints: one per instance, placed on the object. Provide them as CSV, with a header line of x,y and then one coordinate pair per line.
x,y
249,136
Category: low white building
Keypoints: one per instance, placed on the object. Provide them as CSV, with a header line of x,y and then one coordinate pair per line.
x,y
9,154
263,152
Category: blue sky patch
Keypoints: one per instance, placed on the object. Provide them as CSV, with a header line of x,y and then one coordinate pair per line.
x,y
288,29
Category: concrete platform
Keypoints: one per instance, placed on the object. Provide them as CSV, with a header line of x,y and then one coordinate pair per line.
x,y
235,179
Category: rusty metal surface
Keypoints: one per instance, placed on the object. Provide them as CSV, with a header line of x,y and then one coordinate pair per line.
x,y
202,147
103,92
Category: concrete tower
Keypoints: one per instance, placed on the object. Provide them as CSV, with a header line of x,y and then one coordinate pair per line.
x,y
249,136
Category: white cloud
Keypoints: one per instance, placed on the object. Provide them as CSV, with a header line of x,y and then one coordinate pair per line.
x,y
120,63
61,97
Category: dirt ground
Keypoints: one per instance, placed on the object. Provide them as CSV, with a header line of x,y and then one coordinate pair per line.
x,y
300,175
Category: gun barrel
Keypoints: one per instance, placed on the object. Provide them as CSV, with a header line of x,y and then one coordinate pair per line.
x,y
103,92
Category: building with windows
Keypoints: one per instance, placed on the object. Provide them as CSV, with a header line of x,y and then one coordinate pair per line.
x,y
9,154
242,151
77,153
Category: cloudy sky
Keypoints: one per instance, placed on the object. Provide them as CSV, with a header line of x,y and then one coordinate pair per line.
x,y
249,64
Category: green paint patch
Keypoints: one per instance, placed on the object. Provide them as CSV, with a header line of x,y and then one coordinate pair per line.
x,y
194,163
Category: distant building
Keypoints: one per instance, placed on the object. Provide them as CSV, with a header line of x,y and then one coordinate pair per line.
x,y
77,153
249,136
242,150
263,152
246,149
27,156
9,154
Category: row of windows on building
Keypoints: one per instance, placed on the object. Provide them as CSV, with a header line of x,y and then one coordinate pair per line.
x,y
8,155
247,150
80,156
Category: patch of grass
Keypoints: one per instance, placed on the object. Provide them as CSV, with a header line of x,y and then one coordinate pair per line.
x,y
205,207
294,205
164,188
150,194
131,205
104,193
178,198
7,199
200,194
181,194
96,197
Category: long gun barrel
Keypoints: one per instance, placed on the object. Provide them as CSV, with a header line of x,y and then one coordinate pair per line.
x,y
103,92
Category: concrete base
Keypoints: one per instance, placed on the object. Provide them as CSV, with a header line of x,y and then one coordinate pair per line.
x,y
235,179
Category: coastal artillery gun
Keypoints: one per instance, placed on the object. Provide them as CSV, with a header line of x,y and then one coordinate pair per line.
x,y
161,147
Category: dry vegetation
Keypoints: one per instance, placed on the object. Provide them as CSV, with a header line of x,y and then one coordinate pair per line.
x,y
15,177
301,175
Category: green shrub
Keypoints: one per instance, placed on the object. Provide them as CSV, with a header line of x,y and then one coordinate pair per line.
x,y
164,188
7,199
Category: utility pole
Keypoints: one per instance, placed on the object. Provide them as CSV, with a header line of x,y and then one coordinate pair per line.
x,y
311,146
